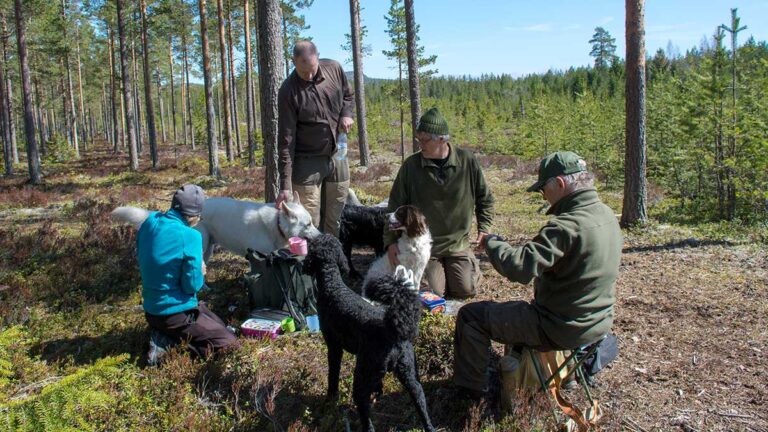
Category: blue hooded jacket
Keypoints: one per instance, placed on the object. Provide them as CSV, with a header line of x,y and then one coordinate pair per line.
x,y
170,257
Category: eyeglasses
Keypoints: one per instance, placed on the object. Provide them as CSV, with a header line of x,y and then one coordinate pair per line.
x,y
551,179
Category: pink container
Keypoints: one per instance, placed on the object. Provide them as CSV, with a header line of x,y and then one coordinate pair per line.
x,y
297,245
260,328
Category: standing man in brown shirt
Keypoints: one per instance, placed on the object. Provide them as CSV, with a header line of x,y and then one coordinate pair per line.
x,y
315,105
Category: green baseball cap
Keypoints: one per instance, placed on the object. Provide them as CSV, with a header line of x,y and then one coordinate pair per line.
x,y
557,164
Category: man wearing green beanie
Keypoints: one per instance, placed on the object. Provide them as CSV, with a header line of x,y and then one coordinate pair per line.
x,y
574,263
447,184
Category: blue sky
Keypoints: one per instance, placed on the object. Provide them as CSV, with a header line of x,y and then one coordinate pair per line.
x,y
522,37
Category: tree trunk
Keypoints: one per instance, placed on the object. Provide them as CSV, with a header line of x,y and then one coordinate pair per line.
x,y
413,70
227,127
400,106
9,87
71,113
270,62
173,89
163,119
136,95
83,123
634,210
33,158
127,86
357,59
40,121
116,129
213,152
148,88
233,80
248,84
5,126
189,101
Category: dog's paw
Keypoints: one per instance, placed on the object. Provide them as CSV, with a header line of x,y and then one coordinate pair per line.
x,y
405,276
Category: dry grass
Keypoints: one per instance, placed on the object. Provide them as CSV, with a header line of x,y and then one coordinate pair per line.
x,y
691,314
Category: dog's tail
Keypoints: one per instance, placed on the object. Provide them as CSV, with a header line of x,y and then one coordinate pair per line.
x,y
132,215
400,298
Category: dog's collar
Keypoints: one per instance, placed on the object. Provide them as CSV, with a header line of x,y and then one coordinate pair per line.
x,y
280,229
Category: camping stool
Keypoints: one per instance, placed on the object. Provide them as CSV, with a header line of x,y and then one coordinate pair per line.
x,y
577,358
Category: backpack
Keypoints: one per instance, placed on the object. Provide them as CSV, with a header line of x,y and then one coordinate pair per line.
x,y
276,281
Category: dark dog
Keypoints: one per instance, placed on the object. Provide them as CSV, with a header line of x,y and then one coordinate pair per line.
x,y
380,336
362,226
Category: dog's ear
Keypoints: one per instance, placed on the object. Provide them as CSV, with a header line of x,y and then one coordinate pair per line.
x,y
415,222
341,260
286,207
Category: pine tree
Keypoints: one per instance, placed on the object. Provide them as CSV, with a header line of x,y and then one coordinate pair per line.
x,y
603,48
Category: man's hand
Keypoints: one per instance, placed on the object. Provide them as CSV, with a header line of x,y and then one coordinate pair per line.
x,y
346,124
481,240
392,252
284,195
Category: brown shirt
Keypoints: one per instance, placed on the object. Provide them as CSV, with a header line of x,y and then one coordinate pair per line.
x,y
310,112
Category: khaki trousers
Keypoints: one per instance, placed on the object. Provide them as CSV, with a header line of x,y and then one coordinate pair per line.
x,y
322,183
477,324
456,276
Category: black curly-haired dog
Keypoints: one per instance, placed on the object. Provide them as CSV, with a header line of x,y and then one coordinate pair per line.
x,y
380,336
362,226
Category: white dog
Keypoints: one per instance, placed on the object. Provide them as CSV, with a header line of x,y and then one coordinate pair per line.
x,y
241,225
414,245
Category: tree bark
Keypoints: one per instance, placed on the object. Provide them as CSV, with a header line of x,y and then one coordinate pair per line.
x,y
116,125
9,87
189,101
173,89
5,126
227,126
136,95
248,84
270,64
413,70
150,110
635,192
357,60
233,80
163,119
71,113
83,124
213,152
33,158
127,86
40,121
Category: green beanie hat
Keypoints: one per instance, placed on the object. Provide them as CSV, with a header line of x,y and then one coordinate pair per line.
x,y
433,122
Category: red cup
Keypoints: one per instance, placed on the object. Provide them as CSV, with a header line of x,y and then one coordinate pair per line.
x,y
297,245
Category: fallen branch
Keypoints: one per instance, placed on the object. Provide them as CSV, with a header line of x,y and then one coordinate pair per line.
x,y
744,416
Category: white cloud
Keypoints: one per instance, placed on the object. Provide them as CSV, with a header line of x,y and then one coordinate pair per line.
x,y
605,20
540,28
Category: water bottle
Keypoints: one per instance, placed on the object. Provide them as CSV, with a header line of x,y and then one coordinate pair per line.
x,y
341,147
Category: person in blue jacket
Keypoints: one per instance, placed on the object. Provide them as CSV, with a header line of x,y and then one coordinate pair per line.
x,y
170,255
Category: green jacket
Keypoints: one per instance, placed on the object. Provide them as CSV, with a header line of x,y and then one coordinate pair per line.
x,y
575,262
448,205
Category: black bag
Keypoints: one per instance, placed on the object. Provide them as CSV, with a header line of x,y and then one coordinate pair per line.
x,y
276,281
606,352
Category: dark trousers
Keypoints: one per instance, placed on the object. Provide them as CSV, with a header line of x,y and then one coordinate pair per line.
x,y
477,324
201,329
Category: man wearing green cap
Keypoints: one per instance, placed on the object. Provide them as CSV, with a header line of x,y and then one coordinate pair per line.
x,y
447,184
574,262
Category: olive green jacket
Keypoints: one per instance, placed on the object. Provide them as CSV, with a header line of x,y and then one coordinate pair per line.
x,y
575,262
448,202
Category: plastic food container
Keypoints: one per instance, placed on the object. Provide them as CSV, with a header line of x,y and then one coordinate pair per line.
x,y
433,302
260,328
297,245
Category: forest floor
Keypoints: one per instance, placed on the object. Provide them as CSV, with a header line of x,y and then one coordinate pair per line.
x,y
691,317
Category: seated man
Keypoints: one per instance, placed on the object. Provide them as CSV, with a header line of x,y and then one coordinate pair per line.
x,y
447,184
170,255
574,261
